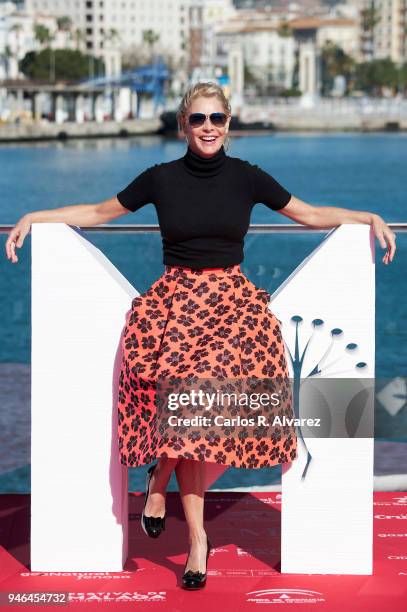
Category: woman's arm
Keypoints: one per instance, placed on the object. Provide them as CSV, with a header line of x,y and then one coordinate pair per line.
x,y
82,215
331,216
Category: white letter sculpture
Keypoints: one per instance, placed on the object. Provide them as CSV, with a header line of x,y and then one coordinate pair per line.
x,y
327,309
79,489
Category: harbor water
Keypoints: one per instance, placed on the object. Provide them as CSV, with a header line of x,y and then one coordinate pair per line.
x,y
350,170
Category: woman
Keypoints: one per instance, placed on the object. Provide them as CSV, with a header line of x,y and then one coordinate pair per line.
x,y
203,316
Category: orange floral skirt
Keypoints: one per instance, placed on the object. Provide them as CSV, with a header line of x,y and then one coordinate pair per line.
x,y
211,324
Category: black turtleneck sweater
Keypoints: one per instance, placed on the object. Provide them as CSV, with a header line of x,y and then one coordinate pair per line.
x,y
204,206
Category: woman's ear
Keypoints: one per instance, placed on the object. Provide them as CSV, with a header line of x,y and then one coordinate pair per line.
x,y
182,124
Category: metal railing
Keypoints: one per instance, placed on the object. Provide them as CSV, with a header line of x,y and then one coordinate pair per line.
x,y
255,228
363,106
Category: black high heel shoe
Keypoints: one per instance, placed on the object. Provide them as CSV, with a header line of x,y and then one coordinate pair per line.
x,y
152,525
196,580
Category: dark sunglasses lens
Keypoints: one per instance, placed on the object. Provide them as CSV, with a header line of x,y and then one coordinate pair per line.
x,y
196,119
218,119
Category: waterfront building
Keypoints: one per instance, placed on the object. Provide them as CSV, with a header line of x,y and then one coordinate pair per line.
x,y
382,29
18,37
268,53
204,17
111,27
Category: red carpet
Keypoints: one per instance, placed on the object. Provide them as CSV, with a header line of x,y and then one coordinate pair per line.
x,y
244,567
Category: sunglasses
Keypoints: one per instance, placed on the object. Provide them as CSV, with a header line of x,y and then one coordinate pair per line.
x,y
198,119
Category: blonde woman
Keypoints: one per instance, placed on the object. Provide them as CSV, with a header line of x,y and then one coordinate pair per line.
x,y
202,318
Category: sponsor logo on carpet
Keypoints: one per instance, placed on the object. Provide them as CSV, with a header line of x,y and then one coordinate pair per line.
x,y
391,516
136,596
273,596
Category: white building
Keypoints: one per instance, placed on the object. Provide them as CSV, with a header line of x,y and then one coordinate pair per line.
x,y
112,26
390,31
383,27
17,37
204,17
268,55
341,31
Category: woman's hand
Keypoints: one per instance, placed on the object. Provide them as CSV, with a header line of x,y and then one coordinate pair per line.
x,y
16,237
80,215
385,236
332,216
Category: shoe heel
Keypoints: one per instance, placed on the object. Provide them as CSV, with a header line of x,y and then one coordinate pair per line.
x,y
192,581
151,525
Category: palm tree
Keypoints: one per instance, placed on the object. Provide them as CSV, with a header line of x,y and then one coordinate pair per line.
x,y
64,24
111,36
284,30
150,37
42,34
45,38
79,37
369,19
334,62
17,28
5,56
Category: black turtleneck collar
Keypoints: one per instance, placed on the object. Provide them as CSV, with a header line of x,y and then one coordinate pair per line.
x,y
204,166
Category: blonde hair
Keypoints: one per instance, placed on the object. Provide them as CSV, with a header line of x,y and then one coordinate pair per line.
x,y
207,90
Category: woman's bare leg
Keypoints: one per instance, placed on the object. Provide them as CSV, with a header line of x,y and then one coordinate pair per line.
x,y
191,480
158,485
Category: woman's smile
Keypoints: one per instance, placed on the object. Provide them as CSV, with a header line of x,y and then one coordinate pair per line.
x,y
207,139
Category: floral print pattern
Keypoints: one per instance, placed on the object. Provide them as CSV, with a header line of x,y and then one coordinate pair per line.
x,y
213,323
